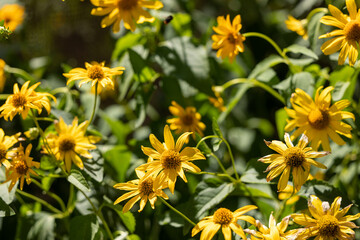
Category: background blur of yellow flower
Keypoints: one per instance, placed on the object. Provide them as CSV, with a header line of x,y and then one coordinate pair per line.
x,y
218,102
297,26
13,15
2,75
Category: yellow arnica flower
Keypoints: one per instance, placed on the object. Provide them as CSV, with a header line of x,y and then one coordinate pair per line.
x,y
70,142
12,15
142,189
327,222
346,37
186,120
297,158
228,39
6,142
95,73
169,161
2,75
226,220
20,168
130,11
297,26
317,119
25,99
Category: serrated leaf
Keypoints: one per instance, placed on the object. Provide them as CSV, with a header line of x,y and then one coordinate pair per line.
x,y
295,48
83,227
77,179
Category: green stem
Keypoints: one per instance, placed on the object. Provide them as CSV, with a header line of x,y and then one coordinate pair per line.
x,y
232,158
39,200
95,101
50,194
177,211
19,72
216,174
45,119
316,10
4,96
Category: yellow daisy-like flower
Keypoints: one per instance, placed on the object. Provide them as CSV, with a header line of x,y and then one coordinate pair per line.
x,y
95,73
297,158
130,11
228,39
20,167
327,222
317,119
142,189
218,101
186,120
297,26
226,220
6,142
25,99
70,142
2,75
169,161
12,15
346,37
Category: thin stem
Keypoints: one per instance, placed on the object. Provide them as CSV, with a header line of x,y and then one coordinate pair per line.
x,y
232,158
177,211
216,174
205,138
21,73
50,194
316,10
95,101
45,119
39,200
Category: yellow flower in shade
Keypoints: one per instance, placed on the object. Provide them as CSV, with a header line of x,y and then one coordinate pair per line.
x,y
70,142
228,39
142,189
168,160
6,142
186,120
2,75
317,119
327,222
25,99
297,26
287,193
94,73
297,159
20,167
12,15
218,101
346,37
226,220
130,11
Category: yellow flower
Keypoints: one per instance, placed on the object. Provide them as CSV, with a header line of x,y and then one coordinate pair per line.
x,y
226,220
218,102
228,39
142,189
186,120
2,75
20,167
169,161
318,120
327,222
6,142
346,37
297,26
25,99
94,73
130,11
70,142
12,15
297,158
287,192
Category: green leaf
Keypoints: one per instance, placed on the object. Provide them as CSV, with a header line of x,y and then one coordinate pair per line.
x,y
5,210
142,72
181,24
280,119
256,190
119,159
254,172
5,195
83,227
127,218
203,146
314,31
78,180
94,167
265,64
344,81
43,227
216,128
126,42
295,48
119,129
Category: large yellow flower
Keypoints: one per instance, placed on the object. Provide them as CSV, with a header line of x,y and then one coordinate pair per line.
x,y
130,11
25,99
226,220
317,119
70,142
2,75
168,161
346,37
6,142
327,222
297,158
297,26
94,73
228,39
12,15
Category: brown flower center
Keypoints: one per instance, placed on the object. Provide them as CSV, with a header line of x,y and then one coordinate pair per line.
x,y
20,167
170,159
187,119
328,226
319,119
127,4
146,187
232,38
96,72
223,216
18,100
352,30
3,151
66,143
294,157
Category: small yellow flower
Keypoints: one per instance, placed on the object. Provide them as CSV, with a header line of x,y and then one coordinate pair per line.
x,y
226,220
94,73
327,222
20,167
6,142
130,11
2,75
297,26
12,15
218,101
317,119
297,158
228,39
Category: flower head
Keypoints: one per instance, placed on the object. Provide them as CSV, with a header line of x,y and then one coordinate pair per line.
x,y
297,159
6,142
2,75
228,39
317,119
217,101
12,15
130,11
297,26
327,222
226,220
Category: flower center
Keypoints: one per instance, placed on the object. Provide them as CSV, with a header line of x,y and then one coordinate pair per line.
x,y
328,226
188,119
223,216
318,119
352,30
232,38
66,143
146,187
294,157
127,4
20,167
96,72
2,151
170,159
18,100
